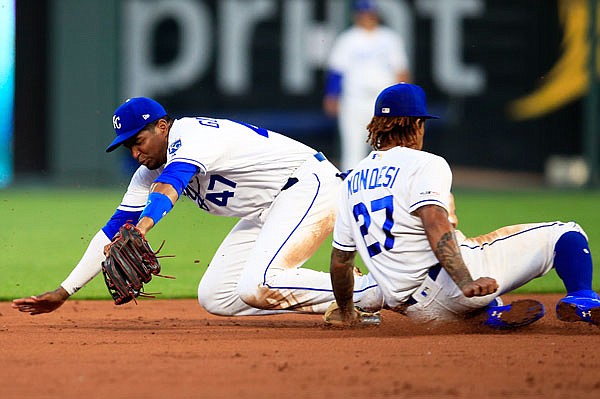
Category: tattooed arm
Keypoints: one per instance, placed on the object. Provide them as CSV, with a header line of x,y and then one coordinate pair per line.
x,y
342,279
440,234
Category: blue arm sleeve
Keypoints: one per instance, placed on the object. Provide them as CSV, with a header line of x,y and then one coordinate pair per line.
x,y
178,175
118,219
333,83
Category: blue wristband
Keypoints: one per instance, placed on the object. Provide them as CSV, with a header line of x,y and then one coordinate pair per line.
x,y
158,205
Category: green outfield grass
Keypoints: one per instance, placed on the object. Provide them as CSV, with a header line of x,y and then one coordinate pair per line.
x,y
45,232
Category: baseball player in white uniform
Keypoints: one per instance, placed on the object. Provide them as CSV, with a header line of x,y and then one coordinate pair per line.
x,y
283,191
394,209
364,59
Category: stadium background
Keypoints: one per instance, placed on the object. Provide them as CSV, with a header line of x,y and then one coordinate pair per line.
x,y
71,72
262,61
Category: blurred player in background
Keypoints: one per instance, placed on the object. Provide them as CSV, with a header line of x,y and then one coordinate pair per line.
x,y
284,193
364,60
394,210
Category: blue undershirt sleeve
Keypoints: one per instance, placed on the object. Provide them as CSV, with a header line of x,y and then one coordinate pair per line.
x,y
118,219
178,175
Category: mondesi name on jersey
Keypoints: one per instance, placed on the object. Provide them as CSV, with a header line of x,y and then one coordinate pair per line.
x,y
368,179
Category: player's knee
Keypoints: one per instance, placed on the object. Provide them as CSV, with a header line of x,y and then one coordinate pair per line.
x,y
205,299
212,301
215,307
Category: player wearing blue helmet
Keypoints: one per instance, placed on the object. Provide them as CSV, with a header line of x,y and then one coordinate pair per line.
x,y
394,210
282,191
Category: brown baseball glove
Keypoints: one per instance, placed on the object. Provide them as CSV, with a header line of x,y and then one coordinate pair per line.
x,y
130,263
333,317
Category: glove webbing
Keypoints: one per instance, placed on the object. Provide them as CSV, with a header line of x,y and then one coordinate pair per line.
x,y
131,262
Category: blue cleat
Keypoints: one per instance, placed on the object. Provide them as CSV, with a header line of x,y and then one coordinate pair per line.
x,y
576,308
516,314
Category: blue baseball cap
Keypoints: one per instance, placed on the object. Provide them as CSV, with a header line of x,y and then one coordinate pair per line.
x,y
402,99
364,6
132,116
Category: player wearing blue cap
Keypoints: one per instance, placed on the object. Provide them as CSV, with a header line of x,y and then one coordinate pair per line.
x,y
394,209
283,192
364,59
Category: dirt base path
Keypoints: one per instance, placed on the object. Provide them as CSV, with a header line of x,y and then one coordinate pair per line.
x,y
174,349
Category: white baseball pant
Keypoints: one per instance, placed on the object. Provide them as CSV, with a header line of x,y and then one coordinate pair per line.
x,y
257,268
513,255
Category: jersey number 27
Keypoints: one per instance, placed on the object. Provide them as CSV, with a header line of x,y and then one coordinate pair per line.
x,y
382,204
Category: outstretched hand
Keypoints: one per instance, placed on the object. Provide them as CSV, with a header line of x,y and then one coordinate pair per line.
x,y
480,287
43,303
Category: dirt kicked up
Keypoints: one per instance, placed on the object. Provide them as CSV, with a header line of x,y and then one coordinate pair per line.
x,y
174,349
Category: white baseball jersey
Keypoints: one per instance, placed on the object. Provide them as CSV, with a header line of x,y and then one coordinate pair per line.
x,y
241,167
374,217
242,173
368,61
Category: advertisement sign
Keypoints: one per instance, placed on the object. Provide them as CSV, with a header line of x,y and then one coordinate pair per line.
x,y
506,77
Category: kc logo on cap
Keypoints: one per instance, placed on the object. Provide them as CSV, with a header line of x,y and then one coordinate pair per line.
x,y
116,122
132,116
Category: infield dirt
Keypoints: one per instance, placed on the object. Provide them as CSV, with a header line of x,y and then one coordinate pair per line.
x,y
174,349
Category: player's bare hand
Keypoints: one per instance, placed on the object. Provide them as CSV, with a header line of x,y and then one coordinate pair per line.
x,y
43,303
480,287
352,317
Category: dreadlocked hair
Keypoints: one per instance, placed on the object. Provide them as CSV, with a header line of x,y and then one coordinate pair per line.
x,y
385,130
